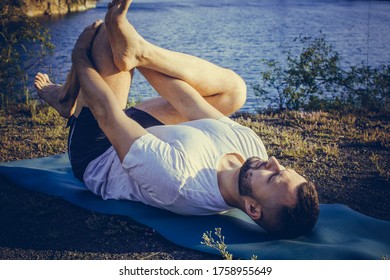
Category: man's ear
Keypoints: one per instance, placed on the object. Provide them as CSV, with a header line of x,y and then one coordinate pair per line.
x,y
253,208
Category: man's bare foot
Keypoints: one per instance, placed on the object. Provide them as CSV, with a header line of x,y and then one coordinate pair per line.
x,y
57,96
126,44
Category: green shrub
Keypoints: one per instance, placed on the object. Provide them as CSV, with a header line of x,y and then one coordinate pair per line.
x,y
368,88
23,42
314,80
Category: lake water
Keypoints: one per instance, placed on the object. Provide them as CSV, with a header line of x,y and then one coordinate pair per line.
x,y
238,34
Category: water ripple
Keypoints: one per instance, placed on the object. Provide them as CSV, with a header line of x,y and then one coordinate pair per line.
x,y
238,34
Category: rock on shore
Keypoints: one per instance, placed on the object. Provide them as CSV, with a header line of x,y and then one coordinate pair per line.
x,y
55,7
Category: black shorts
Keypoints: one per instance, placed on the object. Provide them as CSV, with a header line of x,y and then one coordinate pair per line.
x,y
86,141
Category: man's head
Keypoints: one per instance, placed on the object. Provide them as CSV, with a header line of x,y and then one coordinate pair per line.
x,y
280,200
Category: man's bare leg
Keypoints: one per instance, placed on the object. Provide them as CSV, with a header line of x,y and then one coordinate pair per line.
x,y
169,87
121,130
225,88
118,81
63,97
221,87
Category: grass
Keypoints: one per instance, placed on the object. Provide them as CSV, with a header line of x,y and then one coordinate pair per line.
x,y
31,130
346,156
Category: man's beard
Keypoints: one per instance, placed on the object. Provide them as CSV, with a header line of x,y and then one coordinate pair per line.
x,y
245,176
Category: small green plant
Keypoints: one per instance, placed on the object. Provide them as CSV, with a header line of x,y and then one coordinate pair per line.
x,y
219,244
305,80
132,101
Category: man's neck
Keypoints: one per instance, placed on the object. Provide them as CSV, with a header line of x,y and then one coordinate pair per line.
x,y
228,169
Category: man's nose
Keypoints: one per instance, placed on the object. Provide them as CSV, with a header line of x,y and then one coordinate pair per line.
x,y
274,165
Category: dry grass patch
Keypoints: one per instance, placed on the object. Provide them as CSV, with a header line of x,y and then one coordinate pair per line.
x,y
347,156
29,131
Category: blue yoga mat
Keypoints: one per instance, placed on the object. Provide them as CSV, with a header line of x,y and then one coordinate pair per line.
x,y
340,233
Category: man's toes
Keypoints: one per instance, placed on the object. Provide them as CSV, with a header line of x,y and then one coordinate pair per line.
x,y
39,74
38,85
39,77
42,79
46,78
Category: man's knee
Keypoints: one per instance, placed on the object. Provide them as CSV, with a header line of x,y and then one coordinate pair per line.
x,y
236,96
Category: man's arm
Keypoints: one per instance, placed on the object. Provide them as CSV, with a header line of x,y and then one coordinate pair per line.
x,y
120,130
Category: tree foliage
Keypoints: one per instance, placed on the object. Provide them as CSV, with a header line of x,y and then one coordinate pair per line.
x,y
23,43
314,80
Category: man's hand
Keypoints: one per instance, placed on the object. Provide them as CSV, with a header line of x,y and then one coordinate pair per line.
x,y
84,42
120,130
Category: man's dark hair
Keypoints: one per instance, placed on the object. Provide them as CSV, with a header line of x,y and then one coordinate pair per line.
x,y
299,219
